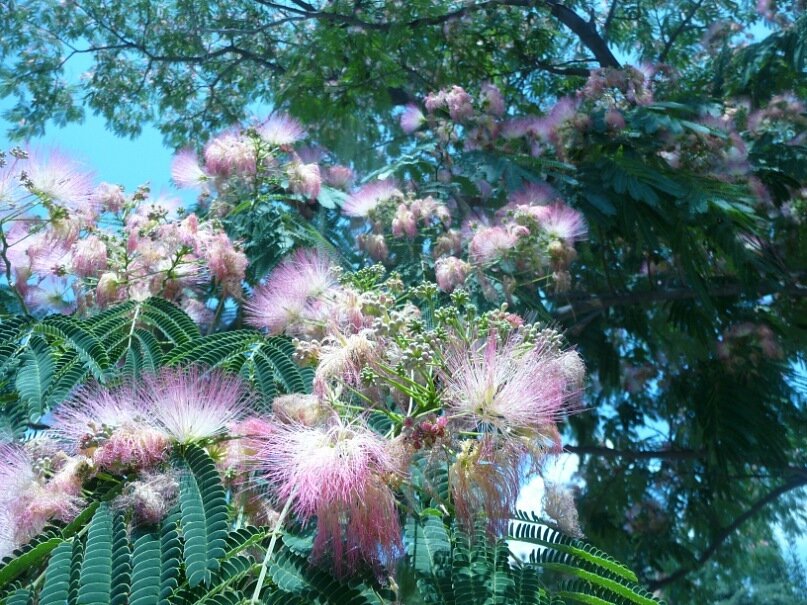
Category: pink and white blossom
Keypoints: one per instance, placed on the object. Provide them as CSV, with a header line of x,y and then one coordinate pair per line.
x,y
362,202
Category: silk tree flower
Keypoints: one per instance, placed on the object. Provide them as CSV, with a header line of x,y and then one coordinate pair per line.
x,y
27,501
490,243
186,171
226,264
506,384
450,272
485,480
492,99
115,428
189,404
89,256
564,223
341,177
295,292
533,194
338,474
62,181
109,197
412,118
305,179
308,410
459,103
342,357
149,498
362,202
280,130
230,154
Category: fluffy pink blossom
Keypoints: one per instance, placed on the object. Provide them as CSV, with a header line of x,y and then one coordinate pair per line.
x,y
226,264
485,480
614,119
435,101
114,427
186,171
459,103
149,497
507,384
450,272
338,475
533,194
305,179
490,243
281,129
340,177
564,223
375,245
301,409
189,404
27,502
295,288
89,256
404,222
109,197
492,100
363,201
62,181
412,118
230,154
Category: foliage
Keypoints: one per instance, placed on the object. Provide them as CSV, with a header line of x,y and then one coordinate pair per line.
x,y
654,213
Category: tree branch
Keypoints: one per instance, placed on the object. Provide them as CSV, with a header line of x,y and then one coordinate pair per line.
x,y
583,304
586,31
678,31
725,533
607,452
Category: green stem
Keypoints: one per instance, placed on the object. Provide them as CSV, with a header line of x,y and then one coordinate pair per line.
x,y
275,533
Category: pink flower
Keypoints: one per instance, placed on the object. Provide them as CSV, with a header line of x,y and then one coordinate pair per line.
x,y
489,244
62,181
189,404
533,194
230,154
281,129
185,170
485,480
507,384
149,498
27,502
374,244
460,104
89,256
340,177
109,197
307,410
114,427
614,119
227,265
564,223
338,475
305,179
404,223
492,100
412,119
450,272
362,202
295,288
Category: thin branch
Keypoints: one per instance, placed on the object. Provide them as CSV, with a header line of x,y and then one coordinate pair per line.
x,y
607,452
678,31
725,533
587,303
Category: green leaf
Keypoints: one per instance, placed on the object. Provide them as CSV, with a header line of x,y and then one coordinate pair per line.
x,y
203,509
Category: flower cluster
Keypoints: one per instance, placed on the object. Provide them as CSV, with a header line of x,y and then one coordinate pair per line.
x,y
478,394
261,154
68,245
127,430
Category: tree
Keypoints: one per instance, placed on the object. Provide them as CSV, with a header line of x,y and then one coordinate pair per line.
x,y
686,302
